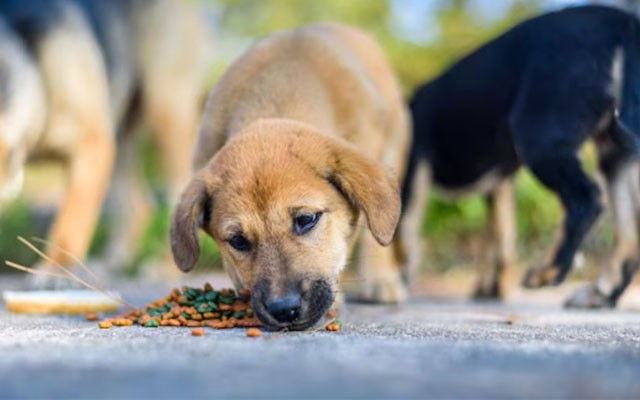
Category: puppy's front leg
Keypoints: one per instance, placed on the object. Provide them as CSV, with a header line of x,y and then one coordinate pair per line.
x,y
380,271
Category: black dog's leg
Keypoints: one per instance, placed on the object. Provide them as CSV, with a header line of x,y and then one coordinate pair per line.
x,y
580,197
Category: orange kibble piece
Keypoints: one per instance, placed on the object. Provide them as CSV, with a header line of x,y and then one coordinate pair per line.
x,y
332,314
105,324
254,332
333,327
197,332
92,317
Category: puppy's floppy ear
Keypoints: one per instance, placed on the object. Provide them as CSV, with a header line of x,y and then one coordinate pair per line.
x,y
369,187
192,213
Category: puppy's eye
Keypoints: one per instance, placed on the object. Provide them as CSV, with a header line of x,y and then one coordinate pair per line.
x,y
239,243
305,222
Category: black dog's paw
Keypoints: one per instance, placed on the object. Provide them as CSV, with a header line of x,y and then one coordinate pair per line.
x,y
589,297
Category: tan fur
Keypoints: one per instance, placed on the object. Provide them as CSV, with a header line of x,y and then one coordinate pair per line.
x,y
171,42
287,110
66,110
492,277
79,129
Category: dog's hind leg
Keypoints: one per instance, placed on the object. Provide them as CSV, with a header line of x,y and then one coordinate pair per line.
x,y
130,207
580,196
491,278
623,187
79,129
170,40
409,243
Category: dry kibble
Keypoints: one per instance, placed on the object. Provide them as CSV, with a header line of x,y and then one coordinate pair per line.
x,y
197,332
193,307
254,332
333,327
92,317
105,324
332,314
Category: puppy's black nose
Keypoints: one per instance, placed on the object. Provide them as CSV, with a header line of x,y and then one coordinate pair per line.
x,y
286,309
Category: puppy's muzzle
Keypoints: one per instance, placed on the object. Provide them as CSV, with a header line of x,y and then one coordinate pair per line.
x,y
295,309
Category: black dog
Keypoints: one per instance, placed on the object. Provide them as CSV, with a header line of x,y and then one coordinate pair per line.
x,y
532,97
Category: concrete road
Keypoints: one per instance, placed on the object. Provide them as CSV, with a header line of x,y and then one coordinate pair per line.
x,y
426,349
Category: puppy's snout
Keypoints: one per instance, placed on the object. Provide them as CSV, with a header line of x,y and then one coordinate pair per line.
x,y
286,309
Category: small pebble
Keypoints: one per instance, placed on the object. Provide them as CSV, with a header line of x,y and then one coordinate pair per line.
x,y
333,327
197,332
92,317
254,332
105,324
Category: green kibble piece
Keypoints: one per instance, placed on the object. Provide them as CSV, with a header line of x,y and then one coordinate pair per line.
x,y
184,314
238,314
227,299
203,308
211,296
227,313
213,306
152,324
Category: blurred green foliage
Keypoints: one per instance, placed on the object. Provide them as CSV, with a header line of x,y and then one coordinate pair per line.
x,y
456,31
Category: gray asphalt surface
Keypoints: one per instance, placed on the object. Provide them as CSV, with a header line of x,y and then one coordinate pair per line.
x,y
426,349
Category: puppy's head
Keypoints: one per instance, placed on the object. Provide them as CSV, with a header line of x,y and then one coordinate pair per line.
x,y
282,202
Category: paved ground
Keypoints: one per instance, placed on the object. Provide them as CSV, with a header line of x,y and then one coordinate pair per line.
x,y
427,349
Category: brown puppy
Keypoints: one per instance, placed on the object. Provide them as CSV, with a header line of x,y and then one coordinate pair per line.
x,y
284,196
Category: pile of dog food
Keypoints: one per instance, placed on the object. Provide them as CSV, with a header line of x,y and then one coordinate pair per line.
x,y
197,308
194,308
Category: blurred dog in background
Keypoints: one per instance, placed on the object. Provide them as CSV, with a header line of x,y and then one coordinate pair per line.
x,y
75,77
532,97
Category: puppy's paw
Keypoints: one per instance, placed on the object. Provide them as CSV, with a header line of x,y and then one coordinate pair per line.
x,y
537,277
387,288
588,297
